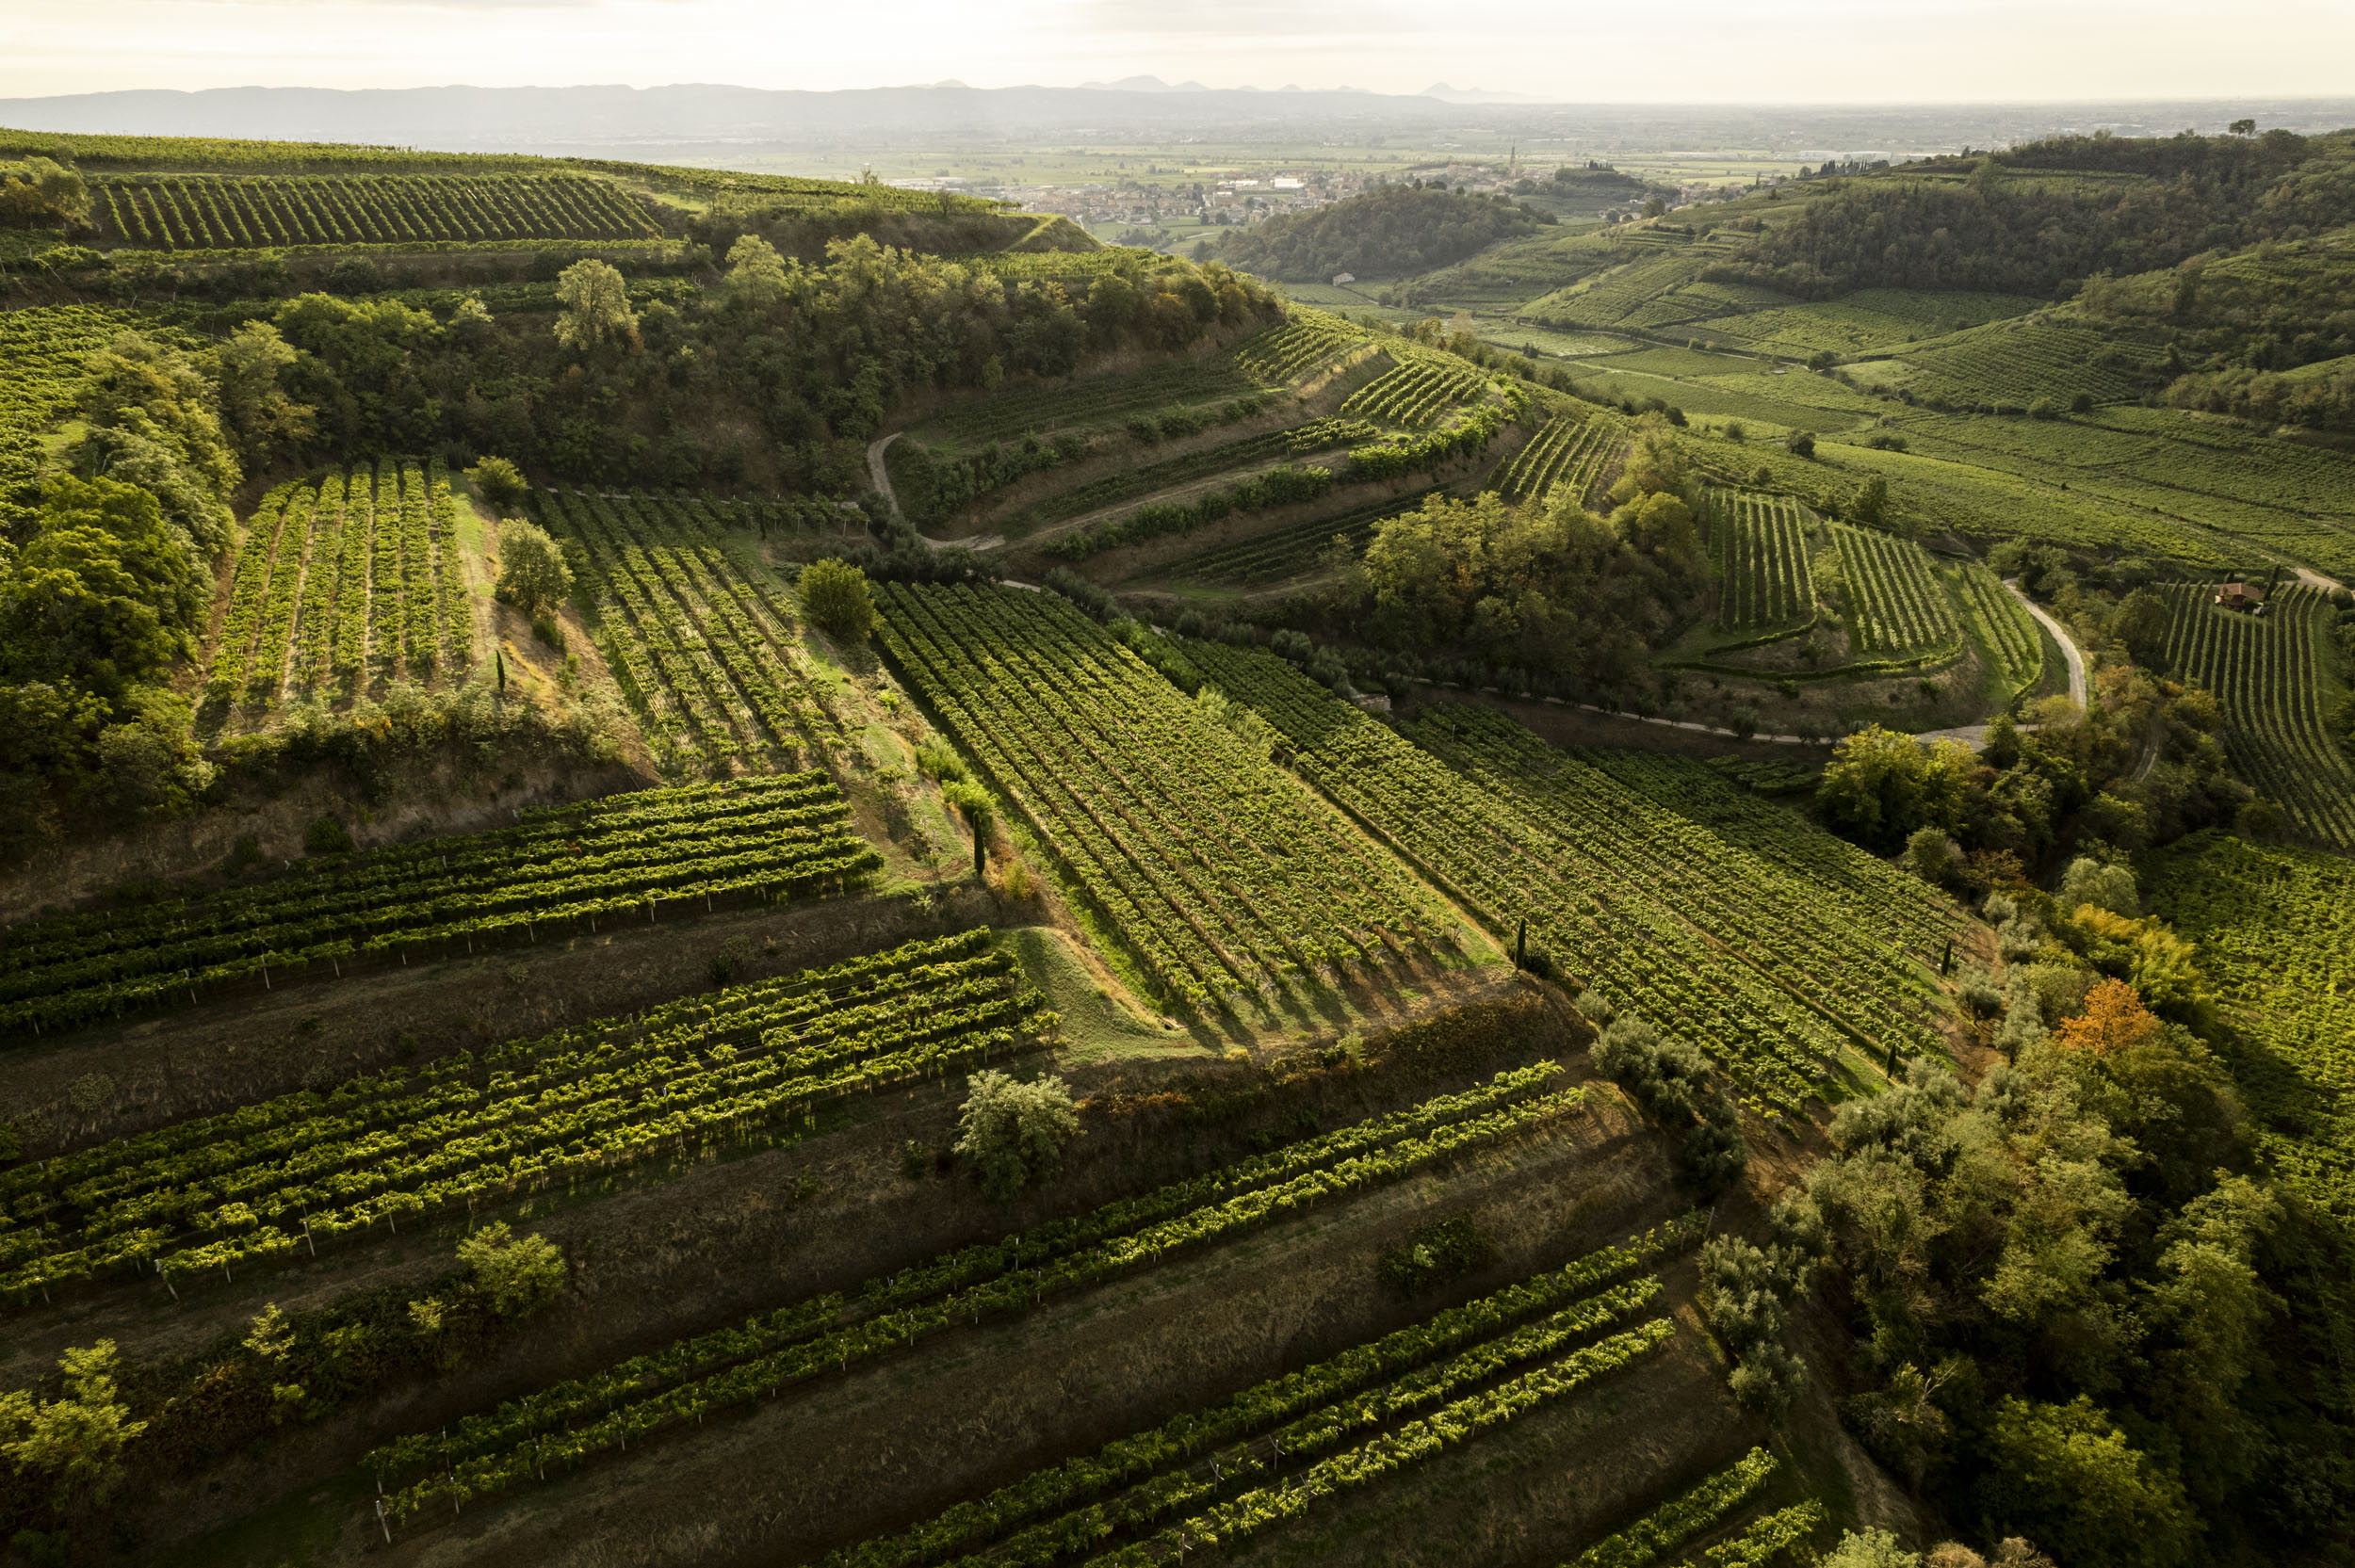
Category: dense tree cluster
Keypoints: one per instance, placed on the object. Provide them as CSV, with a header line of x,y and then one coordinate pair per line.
x,y
2003,230
2057,1277
1545,587
1385,232
779,376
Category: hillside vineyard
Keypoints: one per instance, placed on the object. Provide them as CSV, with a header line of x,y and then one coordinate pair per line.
x,y
1444,860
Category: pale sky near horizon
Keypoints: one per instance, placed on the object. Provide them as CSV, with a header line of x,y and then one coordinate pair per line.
x,y
1794,51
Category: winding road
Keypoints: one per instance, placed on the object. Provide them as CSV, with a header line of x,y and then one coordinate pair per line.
x,y
2069,649
881,476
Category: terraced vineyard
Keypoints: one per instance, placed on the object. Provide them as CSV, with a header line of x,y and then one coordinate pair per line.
x,y
1316,435
1308,342
1567,450
1702,1511
2006,628
2012,363
706,1073
199,212
1765,569
1337,1425
1417,391
1102,401
1210,866
704,648
571,1423
2273,681
1290,550
1722,920
1895,604
565,868
361,575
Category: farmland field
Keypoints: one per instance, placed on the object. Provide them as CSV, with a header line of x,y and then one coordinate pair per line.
x,y
1762,552
1605,873
2272,679
248,212
1895,603
1221,875
955,971
704,647
1289,551
1566,451
562,868
362,577
229,1191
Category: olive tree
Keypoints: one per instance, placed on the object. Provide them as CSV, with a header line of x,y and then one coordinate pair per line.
x,y
1015,1132
532,574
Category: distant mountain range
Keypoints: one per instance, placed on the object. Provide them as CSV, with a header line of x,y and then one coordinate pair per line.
x,y
717,125
466,118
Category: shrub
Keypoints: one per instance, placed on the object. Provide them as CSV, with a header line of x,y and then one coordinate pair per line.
x,y
835,594
1801,443
533,575
500,482
1435,1254
1015,1132
516,1274
327,835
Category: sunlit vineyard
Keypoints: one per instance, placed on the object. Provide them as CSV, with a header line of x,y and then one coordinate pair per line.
x,y
227,213
2013,364
563,869
704,647
2010,633
1417,391
2271,677
1210,864
1895,604
1308,343
571,1424
361,575
284,1175
1636,895
1567,450
1767,579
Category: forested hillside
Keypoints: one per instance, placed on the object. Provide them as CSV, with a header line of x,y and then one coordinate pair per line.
x,y
1408,228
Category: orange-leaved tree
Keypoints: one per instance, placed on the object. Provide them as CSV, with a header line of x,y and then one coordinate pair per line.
x,y
2113,1020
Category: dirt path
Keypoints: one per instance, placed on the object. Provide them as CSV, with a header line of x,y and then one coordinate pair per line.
x,y
880,475
2069,649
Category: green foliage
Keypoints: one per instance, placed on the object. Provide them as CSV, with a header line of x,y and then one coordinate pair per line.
x,y
1666,1528
327,835
1881,788
2067,1476
595,311
1435,1253
1381,234
72,1445
834,594
746,840
662,581
500,482
40,193
1015,1132
574,1420
1870,1548
516,1274
533,575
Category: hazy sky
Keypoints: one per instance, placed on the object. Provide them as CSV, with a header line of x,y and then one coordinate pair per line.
x,y
1565,50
